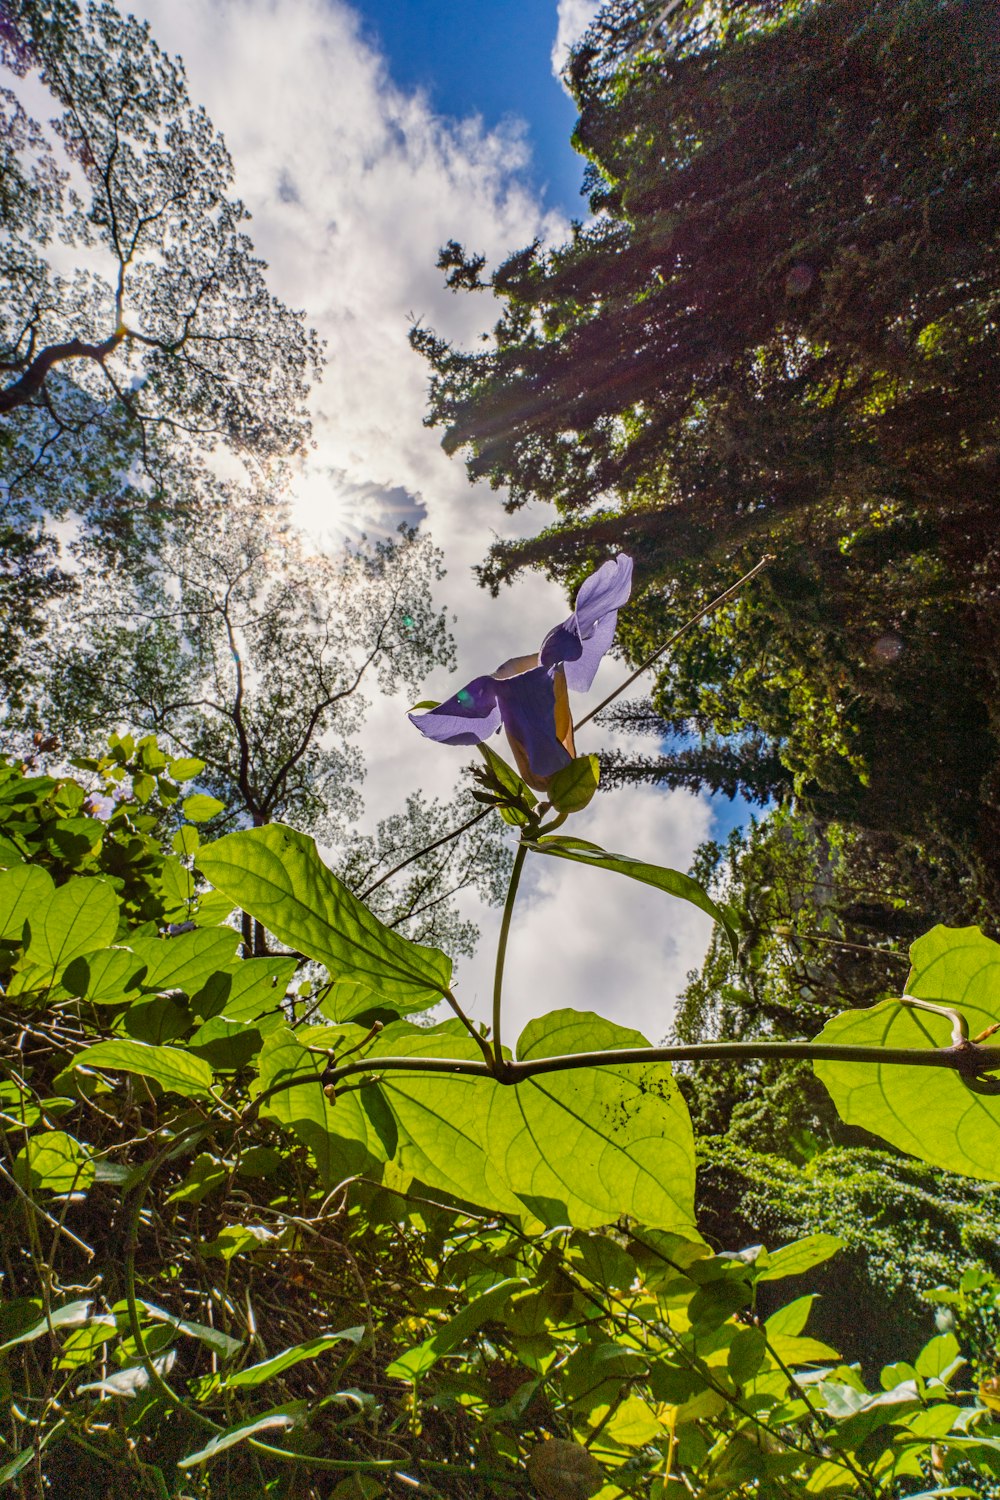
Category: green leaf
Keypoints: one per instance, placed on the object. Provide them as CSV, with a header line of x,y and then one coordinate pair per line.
x,y
790,1320
220,1343
674,882
441,1139
746,1354
186,840
278,1420
252,988
796,1258
212,909
226,1044
572,788
143,786
70,1315
937,1357
929,1112
585,1147
177,882
79,917
186,768
104,977
277,876
53,1162
185,962
199,808
22,891
417,1361
158,1020
337,1133
13,1467
170,1067
268,1368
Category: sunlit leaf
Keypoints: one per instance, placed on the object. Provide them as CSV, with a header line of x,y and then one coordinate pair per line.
x,y
275,1421
796,1258
338,1133
186,768
417,1361
268,1368
585,1147
187,961
79,917
929,1112
53,1162
70,1315
23,890
276,875
171,1067
572,788
673,882
199,808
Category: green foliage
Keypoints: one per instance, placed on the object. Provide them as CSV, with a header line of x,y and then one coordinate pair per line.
x,y
277,876
949,1120
337,1252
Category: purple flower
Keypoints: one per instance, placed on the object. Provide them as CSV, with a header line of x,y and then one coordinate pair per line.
x,y
528,694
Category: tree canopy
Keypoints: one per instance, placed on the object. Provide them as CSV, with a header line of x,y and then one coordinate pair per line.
x,y
776,335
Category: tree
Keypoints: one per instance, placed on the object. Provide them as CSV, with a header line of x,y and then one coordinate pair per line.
x,y
137,331
776,336
240,647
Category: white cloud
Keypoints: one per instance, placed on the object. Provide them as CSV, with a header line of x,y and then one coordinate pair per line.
x,y
574,18
354,185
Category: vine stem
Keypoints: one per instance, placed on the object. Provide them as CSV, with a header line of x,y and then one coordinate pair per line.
x,y
501,1066
970,1060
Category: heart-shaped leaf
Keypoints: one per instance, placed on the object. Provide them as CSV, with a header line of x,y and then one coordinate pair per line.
x,y
930,1112
276,875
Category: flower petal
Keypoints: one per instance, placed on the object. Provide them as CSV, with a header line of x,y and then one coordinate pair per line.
x,y
528,709
605,590
581,672
470,716
581,641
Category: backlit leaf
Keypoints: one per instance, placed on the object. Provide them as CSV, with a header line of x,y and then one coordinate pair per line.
x,y
80,917
171,1067
929,1112
673,882
276,875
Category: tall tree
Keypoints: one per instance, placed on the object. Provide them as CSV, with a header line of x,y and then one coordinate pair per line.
x,y
777,334
243,648
137,330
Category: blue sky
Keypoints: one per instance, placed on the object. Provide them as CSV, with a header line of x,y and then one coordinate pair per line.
x,y
487,60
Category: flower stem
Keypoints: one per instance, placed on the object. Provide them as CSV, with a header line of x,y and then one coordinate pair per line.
x,y
508,910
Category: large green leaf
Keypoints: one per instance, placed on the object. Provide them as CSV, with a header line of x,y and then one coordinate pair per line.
x,y
22,891
439,1116
929,1112
579,1147
78,918
585,1146
170,1067
185,962
338,1133
673,882
276,875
